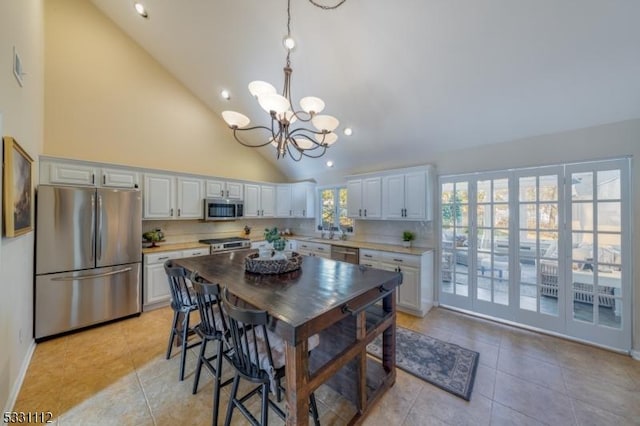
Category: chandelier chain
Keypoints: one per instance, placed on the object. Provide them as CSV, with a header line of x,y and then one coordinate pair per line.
x,y
325,7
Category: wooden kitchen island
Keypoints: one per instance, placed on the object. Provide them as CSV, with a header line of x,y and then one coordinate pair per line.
x,y
335,299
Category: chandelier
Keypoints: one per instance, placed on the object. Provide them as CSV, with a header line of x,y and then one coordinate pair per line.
x,y
287,139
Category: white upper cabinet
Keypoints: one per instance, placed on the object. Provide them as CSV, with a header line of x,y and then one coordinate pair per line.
x,y
303,199
190,204
62,173
224,189
401,194
171,197
283,201
119,178
405,195
159,196
364,200
295,200
259,200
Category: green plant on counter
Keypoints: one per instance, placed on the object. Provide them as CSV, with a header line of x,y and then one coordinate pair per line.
x,y
408,236
273,237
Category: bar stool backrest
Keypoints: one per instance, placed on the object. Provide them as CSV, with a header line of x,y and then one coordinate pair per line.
x,y
182,298
209,299
248,338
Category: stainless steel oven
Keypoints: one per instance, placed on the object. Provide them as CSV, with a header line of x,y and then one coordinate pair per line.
x,y
219,245
223,209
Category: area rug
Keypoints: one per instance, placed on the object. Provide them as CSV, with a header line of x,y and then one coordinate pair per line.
x,y
448,366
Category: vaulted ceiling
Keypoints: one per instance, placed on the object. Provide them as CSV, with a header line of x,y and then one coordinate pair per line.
x,y
411,77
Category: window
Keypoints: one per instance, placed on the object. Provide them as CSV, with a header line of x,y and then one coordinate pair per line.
x,y
333,210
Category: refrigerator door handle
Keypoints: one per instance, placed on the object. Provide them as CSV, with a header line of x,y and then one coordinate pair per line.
x,y
90,277
93,228
99,245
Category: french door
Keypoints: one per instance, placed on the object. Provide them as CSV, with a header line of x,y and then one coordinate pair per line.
x,y
546,247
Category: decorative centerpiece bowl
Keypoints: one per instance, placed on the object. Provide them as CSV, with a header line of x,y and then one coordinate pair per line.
x,y
277,265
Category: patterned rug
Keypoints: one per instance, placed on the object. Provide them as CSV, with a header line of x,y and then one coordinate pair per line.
x,y
448,366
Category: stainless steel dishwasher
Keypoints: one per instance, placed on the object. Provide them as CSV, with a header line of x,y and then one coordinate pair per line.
x,y
345,254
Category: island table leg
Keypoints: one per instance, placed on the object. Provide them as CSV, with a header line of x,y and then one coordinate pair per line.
x,y
296,374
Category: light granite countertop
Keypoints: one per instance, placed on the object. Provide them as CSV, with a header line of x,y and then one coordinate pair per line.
x,y
173,246
394,248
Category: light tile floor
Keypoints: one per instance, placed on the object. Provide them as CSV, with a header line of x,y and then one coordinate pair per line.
x,y
117,375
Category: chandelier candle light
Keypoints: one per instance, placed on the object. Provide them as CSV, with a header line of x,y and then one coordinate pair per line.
x,y
299,141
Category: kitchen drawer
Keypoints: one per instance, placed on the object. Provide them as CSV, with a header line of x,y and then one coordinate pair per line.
x,y
400,259
196,252
314,247
152,259
368,256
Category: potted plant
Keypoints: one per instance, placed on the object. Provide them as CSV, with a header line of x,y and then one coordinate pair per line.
x,y
407,237
273,237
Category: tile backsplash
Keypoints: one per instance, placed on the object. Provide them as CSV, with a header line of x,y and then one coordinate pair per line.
x,y
375,231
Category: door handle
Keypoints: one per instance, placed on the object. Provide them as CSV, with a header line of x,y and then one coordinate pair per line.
x,y
99,244
90,277
93,227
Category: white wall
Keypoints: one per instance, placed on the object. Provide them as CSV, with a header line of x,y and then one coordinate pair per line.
x,y
21,25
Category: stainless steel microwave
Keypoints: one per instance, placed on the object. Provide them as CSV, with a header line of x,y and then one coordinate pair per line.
x,y
223,209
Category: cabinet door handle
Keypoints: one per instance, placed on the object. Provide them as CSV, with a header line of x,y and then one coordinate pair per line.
x,y
163,258
397,260
171,212
178,212
365,212
367,255
222,192
227,193
93,178
304,212
104,179
321,248
290,213
359,212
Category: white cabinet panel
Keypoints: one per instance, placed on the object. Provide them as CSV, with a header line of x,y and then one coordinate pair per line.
x,y
72,174
171,197
283,201
393,189
259,200
223,189
415,196
189,198
159,196
156,291
120,178
303,200
364,200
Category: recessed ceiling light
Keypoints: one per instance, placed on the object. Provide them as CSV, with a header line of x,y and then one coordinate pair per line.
x,y
289,42
348,131
329,163
141,10
225,94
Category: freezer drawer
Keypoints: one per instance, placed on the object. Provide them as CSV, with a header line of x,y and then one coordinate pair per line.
x,y
72,300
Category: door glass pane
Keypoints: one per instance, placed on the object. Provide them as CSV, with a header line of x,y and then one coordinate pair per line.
x,y
484,191
609,216
548,188
582,186
501,190
527,188
528,216
462,192
501,215
609,185
549,286
462,284
548,216
582,216
484,288
483,216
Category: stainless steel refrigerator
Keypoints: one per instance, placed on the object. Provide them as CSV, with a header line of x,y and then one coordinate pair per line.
x,y
88,254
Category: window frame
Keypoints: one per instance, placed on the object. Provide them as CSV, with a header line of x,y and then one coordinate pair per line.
x,y
336,193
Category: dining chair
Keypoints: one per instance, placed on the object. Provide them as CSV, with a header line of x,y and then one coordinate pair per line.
x,y
183,303
257,356
212,328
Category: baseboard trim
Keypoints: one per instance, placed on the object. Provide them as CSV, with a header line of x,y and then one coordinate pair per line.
x,y
635,355
15,391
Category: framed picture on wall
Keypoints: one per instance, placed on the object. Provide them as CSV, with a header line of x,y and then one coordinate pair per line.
x,y
17,194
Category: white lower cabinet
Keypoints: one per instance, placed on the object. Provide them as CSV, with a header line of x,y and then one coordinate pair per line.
x,y
156,293
415,294
307,248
